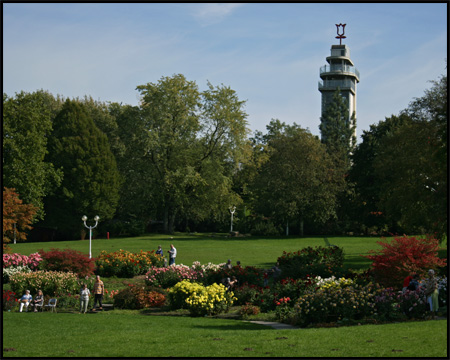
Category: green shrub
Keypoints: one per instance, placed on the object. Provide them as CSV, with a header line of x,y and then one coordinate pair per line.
x,y
283,310
52,283
249,309
248,274
126,299
293,288
331,305
317,261
70,301
247,293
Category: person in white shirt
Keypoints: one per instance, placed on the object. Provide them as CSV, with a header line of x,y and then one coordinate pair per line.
x,y
172,254
25,300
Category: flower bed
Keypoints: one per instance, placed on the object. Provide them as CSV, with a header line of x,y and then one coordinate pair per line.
x,y
126,264
166,277
16,260
8,272
136,297
201,300
52,283
9,300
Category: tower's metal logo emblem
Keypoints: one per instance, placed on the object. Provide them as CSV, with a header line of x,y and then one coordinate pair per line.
x,y
340,36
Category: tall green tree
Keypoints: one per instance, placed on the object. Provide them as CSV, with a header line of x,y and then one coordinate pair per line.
x,y
337,130
189,133
367,209
412,165
338,134
27,126
137,195
91,181
104,119
298,181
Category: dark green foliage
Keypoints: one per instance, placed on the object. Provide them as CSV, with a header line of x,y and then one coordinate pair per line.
x,y
126,299
297,181
337,130
400,169
317,261
91,180
27,127
367,204
248,274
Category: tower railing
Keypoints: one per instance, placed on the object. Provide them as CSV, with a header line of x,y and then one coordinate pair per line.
x,y
339,69
334,84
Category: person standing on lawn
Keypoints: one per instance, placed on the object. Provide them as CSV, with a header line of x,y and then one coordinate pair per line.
x,y
172,254
432,292
84,299
99,291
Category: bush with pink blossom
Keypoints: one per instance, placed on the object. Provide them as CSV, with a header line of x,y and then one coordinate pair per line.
x,y
14,260
166,277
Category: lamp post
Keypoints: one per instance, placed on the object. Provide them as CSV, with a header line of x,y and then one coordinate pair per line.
x,y
232,210
96,218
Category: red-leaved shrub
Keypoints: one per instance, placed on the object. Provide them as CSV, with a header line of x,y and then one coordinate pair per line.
x,y
68,260
402,257
135,297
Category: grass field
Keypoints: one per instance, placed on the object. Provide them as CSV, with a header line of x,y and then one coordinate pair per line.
x,y
255,251
122,333
128,334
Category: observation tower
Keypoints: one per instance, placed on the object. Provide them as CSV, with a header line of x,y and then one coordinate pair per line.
x,y
339,73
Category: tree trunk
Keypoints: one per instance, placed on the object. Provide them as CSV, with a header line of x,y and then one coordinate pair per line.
x,y
166,219
301,226
171,222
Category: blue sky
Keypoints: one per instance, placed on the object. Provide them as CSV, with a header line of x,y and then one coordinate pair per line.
x,y
270,54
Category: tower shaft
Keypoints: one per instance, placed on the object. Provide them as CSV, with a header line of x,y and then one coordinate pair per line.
x,y
339,73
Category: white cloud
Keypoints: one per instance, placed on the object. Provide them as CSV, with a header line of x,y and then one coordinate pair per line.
x,y
208,14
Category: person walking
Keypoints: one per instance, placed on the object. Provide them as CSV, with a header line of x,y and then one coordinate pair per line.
x,y
99,291
172,254
84,299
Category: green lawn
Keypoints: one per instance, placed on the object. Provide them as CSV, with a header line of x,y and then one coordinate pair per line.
x,y
129,334
255,251
136,334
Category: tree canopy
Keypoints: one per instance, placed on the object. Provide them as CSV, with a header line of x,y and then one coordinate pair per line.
x,y
183,156
298,181
27,126
91,181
